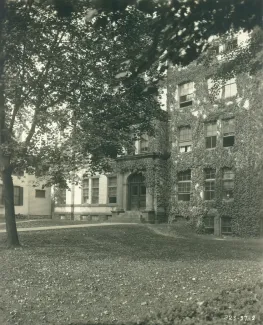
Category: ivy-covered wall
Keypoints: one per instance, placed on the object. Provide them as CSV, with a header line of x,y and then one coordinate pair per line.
x,y
153,166
244,157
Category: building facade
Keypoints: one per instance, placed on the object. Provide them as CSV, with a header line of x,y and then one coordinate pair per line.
x,y
130,193
215,136
203,165
31,201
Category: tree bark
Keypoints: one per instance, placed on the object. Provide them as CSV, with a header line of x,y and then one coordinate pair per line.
x,y
12,235
5,167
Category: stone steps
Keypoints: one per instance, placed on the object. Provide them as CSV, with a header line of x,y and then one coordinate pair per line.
x,y
127,217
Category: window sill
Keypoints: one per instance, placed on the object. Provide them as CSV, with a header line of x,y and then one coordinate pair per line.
x,y
210,148
190,105
228,200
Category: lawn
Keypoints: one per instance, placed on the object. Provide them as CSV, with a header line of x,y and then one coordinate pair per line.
x,y
117,274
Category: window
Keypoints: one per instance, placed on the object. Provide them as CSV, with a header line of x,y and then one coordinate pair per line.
x,y
209,224
213,50
95,191
185,139
228,184
228,133
144,144
1,195
85,190
210,135
186,92
230,88
226,225
184,185
112,189
61,196
40,193
210,175
222,89
18,195
231,45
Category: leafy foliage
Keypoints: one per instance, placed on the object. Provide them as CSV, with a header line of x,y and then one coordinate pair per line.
x,y
245,157
182,28
62,78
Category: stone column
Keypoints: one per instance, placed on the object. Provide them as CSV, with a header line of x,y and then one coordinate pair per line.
x,y
217,226
125,190
120,192
213,213
149,200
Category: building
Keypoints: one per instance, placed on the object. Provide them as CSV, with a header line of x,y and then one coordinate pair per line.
x,y
31,201
215,178
202,165
131,193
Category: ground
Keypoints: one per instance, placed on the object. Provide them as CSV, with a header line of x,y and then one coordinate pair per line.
x,y
116,274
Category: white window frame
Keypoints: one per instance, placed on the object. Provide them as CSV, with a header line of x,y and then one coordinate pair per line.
x,y
186,90
85,190
227,179
185,144
110,188
187,182
97,188
211,134
228,130
210,181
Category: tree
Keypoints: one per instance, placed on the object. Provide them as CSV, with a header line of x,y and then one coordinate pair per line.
x,y
61,75
182,28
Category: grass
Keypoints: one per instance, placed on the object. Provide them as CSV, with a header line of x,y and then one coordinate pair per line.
x,y
117,274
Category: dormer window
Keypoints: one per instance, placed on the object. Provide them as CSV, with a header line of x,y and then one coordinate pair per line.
x,y
231,45
186,92
213,50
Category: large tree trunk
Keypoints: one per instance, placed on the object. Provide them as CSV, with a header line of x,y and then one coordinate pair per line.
x,y
5,168
12,235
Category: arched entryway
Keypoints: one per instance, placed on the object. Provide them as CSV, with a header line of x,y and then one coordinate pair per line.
x,y
136,192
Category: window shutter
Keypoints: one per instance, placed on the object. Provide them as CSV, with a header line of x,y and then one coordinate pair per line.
x,y
21,196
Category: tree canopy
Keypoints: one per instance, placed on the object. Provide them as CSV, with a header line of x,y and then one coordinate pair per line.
x,y
181,28
63,77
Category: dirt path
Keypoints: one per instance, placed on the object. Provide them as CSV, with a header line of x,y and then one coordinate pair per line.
x,y
70,226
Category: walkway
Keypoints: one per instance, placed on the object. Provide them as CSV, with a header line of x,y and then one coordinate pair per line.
x,y
71,226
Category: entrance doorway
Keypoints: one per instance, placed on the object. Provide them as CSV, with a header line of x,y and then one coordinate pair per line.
x,y
136,192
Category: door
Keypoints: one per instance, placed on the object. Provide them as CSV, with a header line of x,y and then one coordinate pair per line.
x,y
137,192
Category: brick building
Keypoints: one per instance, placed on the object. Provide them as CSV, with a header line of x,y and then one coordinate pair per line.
x,y
215,173
202,165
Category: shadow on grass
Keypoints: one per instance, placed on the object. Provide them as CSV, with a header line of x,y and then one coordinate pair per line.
x,y
135,243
